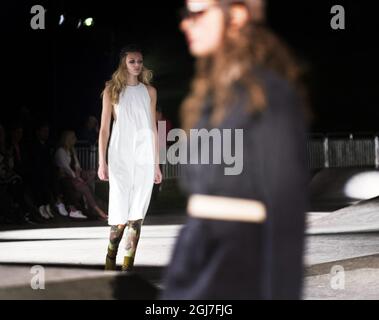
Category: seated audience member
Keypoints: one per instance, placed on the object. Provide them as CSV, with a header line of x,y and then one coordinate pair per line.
x,y
39,170
71,182
90,132
14,206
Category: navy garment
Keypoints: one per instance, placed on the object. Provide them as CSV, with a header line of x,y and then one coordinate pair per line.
x,y
235,260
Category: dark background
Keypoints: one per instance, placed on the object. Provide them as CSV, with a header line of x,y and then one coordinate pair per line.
x,y
59,73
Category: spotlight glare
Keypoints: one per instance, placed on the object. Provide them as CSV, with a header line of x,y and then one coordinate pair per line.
x,y
61,19
89,22
363,186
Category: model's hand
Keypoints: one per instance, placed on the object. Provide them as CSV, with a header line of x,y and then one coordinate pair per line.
x,y
158,175
103,172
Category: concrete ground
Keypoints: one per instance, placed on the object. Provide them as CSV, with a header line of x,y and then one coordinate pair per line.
x,y
342,253
359,280
73,259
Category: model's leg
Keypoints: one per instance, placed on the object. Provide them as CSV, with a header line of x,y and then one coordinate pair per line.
x,y
114,241
132,238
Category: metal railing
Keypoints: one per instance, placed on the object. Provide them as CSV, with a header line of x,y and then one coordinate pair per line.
x,y
89,158
88,155
343,150
340,150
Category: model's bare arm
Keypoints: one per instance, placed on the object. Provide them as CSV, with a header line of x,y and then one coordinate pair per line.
x,y
153,97
106,117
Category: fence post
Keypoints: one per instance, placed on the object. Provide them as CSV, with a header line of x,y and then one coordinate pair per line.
x,y
326,152
93,157
376,152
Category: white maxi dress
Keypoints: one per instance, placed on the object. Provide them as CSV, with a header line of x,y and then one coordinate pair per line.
x,y
131,157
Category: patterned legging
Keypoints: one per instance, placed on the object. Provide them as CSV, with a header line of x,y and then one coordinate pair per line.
x,y
132,237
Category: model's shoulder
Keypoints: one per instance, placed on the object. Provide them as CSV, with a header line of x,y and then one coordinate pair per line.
x,y
152,91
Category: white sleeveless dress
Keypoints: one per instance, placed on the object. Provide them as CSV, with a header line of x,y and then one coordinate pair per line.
x,y
131,157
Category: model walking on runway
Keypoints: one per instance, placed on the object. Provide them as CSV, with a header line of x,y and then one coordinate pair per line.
x,y
132,165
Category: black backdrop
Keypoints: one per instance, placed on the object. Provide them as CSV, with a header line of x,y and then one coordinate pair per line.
x,y
58,73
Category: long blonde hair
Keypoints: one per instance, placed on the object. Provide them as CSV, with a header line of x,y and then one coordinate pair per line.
x,y
64,143
119,78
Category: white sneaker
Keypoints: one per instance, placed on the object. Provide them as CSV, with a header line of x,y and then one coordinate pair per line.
x,y
43,213
49,212
62,209
77,215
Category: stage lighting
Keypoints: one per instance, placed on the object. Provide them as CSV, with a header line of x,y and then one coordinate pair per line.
x,y
79,24
89,22
61,19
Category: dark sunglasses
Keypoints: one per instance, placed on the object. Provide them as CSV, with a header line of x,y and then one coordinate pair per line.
x,y
185,13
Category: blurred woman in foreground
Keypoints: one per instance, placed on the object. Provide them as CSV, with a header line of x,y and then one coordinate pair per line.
x,y
245,233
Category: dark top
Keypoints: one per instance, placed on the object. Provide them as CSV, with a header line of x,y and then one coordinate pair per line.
x,y
233,260
39,162
89,135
